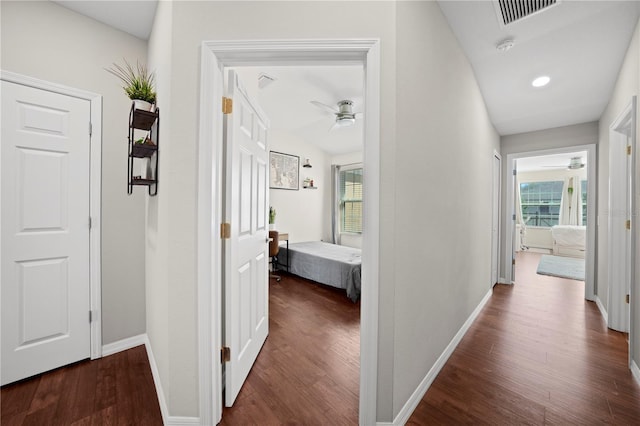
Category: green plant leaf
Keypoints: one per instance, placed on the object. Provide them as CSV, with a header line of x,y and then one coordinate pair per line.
x,y
138,83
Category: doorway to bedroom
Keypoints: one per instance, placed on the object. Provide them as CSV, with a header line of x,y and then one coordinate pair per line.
x,y
315,189
552,195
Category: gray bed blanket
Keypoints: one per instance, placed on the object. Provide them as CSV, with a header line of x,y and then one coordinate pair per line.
x,y
330,264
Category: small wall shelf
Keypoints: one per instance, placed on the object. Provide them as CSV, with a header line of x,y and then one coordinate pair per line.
x,y
145,125
310,187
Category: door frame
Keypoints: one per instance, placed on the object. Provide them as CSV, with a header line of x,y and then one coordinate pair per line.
x,y
496,250
215,55
95,186
623,127
589,287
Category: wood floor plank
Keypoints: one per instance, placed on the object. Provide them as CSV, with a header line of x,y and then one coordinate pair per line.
x,y
308,370
114,390
16,398
538,353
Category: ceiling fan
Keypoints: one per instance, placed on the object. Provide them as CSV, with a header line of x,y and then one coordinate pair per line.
x,y
574,164
345,117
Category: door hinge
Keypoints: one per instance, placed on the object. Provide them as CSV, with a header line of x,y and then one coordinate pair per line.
x,y
225,354
628,149
627,298
628,224
515,172
90,128
89,222
513,217
225,231
227,105
90,316
513,261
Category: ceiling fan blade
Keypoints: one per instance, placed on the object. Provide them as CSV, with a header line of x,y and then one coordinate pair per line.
x,y
320,105
332,128
359,114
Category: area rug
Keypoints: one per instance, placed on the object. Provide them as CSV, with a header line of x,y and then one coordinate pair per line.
x,y
563,267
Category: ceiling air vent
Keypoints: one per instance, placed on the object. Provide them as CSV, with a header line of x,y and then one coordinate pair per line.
x,y
510,11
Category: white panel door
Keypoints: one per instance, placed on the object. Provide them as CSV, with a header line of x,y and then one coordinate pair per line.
x,y
247,251
45,231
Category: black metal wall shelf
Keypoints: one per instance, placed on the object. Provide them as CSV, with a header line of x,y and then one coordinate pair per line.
x,y
144,125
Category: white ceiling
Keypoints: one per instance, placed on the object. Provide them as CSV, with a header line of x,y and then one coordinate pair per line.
x,y
579,44
549,162
134,17
287,102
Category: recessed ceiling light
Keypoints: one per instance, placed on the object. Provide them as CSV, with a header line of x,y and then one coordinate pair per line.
x,y
541,81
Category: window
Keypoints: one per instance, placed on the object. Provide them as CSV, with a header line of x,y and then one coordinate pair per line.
x,y
583,194
351,200
540,202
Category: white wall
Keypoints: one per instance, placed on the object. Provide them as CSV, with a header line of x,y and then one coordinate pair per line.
x,y
627,85
443,179
193,22
550,175
559,137
157,246
538,238
305,213
426,293
344,159
49,42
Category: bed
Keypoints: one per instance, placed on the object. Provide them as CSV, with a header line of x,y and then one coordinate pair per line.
x,y
569,240
330,264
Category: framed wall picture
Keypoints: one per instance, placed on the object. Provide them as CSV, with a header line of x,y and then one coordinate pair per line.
x,y
284,171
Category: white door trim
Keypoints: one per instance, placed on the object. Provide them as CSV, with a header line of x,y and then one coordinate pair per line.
x,y
625,126
95,248
214,56
589,287
497,155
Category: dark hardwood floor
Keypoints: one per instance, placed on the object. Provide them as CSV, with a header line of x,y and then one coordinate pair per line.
x,y
537,354
307,373
114,390
308,370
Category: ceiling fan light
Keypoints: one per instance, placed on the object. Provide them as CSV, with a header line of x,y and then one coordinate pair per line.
x,y
345,121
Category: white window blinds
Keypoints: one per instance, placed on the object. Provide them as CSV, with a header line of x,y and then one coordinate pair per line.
x,y
351,200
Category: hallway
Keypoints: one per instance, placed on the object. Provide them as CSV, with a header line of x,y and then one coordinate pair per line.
x,y
537,354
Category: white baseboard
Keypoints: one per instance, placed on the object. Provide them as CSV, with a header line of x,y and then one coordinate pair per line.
x,y
143,339
414,400
603,311
635,371
164,410
124,344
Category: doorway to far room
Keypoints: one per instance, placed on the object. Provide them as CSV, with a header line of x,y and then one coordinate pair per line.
x,y
551,199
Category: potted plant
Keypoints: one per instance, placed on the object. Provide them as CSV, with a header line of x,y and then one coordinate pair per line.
x,y
272,218
138,84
